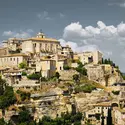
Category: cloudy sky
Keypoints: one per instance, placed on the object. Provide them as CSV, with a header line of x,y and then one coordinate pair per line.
x,y
83,24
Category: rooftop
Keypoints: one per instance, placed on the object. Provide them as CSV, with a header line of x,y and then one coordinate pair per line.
x,y
42,39
13,55
104,104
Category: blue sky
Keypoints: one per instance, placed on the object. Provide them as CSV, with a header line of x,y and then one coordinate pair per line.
x,y
57,18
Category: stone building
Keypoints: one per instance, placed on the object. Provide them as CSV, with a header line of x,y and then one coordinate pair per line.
x,y
13,44
12,76
119,116
99,110
13,60
94,57
4,51
47,67
40,45
95,72
67,51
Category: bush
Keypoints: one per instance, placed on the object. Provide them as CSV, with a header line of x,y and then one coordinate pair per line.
x,y
66,67
23,95
43,79
34,76
115,92
24,74
87,88
23,65
81,69
57,75
76,77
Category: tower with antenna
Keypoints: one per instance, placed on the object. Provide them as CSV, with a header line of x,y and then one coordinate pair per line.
x,y
41,34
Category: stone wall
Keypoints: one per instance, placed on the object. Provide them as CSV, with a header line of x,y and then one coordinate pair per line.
x,y
67,74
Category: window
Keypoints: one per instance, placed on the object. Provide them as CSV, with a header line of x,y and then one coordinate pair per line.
x,y
13,59
10,59
35,45
60,68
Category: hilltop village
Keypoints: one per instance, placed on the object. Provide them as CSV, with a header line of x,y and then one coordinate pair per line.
x,y
44,83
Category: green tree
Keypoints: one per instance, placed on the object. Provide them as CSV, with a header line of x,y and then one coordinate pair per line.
x,y
24,116
23,65
8,98
34,76
57,75
66,67
2,122
2,86
81,69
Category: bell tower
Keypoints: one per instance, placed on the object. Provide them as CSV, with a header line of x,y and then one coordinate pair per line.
x,y
40,34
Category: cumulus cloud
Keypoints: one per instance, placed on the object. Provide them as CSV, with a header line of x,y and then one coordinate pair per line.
x,y
109,39
20,34
77,48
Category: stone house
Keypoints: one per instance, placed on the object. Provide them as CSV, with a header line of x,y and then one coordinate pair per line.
x,y
99,110
13,60
94,57
47,67
119,116
40,44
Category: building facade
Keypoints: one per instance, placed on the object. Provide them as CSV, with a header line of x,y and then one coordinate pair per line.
x,y
94,57
40,44
47,67
13,60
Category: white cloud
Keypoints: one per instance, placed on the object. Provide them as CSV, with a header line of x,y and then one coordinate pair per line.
x,y
77,48
61,15
121,29
20,34
44,15
109,39
120,3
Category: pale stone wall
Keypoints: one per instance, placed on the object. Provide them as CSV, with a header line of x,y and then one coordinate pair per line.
x,y
67,74
119,116
74,65
97,57
98,110
11,61
27,46
59,66
4,51
84,57
94,72
47,67
88,57
39,46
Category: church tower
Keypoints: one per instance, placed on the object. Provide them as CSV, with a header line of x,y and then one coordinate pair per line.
x,y
40,34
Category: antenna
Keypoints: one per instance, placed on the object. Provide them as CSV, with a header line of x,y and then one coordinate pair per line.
x,y
41,31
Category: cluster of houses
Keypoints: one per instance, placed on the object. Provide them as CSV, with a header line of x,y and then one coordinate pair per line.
x,y
46,56
42,55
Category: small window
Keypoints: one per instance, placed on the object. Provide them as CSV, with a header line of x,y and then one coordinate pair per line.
x,y
35,45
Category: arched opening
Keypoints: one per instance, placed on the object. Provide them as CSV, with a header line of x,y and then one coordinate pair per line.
x,y
114,105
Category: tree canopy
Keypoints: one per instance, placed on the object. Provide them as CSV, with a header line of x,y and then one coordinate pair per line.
x,y
81,69
23,65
